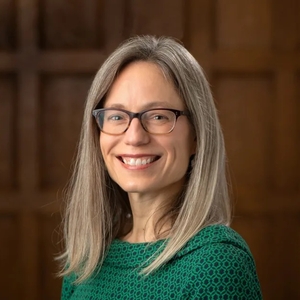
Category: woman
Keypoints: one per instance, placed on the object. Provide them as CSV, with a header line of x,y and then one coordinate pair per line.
x,y
148,210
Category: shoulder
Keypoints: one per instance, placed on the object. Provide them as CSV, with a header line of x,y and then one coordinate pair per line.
x,y
68,286
219,247
222,264
213,235
217,243
219,234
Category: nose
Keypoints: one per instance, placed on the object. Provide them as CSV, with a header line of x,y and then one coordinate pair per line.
x,y
135,135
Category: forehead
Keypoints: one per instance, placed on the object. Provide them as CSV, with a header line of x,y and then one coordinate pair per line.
x,y
141,84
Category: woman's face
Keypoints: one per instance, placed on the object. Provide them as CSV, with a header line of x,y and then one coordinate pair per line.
x,y
140,162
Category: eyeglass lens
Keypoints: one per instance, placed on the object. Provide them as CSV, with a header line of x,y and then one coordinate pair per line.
x,y
153,121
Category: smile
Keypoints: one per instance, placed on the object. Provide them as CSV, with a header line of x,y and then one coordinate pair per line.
x,y
138,161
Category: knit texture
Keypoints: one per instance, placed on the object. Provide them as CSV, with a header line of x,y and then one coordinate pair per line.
x,y
215,264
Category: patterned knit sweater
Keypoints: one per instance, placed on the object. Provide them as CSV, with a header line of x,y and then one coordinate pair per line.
x,y
215,264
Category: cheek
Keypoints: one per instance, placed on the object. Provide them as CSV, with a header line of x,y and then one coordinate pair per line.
x,y
180,155
104,147
105,143
187,145
101,145
185,137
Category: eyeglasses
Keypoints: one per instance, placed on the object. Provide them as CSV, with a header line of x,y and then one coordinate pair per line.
x,y
156,121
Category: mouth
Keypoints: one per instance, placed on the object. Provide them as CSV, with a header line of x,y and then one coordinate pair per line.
x,y
140,161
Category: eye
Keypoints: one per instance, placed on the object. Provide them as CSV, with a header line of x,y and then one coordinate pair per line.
x,y
115,118
159,117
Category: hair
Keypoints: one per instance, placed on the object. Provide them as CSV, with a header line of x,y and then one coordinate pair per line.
x,y
97,207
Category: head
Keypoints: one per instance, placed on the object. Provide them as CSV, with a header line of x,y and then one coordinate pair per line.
x,y
203,198
150,153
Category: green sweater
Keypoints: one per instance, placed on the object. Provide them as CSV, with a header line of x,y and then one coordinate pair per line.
x,y
215,264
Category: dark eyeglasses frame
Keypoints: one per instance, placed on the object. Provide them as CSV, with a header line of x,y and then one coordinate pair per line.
x,y
139,115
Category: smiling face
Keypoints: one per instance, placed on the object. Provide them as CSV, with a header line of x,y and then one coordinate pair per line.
x,y
140,162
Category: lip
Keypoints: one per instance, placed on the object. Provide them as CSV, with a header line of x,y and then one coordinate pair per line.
x,y
137,155
154,158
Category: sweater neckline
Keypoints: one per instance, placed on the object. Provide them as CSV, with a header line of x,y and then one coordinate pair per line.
x,y
123,254
143,244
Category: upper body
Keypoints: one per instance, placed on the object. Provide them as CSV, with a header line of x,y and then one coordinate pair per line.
x,y
150,170
215,264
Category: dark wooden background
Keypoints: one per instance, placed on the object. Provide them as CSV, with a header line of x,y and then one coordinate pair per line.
x,y
49,52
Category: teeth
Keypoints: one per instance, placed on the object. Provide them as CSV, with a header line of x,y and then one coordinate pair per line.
x,y
138,161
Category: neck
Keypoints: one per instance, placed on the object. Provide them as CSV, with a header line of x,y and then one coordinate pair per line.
x,y
146,211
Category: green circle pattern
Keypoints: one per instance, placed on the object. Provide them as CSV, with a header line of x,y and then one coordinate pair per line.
x,y
215,264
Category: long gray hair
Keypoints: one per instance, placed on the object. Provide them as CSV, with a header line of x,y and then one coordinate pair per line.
x,y
97,206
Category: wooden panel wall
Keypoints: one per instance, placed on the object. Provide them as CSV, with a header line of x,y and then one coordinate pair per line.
x,y
49,53
250,50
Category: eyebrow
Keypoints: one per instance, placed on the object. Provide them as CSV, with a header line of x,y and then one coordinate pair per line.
x,y
147,106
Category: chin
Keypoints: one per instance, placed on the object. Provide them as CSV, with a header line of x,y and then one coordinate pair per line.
x,y
131,190
134,188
